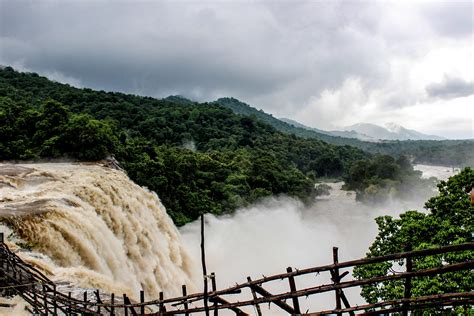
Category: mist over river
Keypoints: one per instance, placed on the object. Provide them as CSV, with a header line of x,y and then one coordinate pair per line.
x,y
279,232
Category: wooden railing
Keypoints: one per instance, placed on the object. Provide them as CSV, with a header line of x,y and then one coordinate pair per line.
x,y
18,277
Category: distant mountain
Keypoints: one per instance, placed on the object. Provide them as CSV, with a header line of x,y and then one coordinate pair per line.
x,y
344,134
242,108
391,131
371,132
356,135
436,152
298,124
291,127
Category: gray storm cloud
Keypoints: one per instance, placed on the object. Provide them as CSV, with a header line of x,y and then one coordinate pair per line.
x,y
275,55
451,88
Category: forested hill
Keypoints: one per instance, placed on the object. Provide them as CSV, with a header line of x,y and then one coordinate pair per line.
x,y
458,153
242,108
198,157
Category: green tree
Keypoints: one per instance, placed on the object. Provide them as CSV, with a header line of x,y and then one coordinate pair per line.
x,y
449,221
87,138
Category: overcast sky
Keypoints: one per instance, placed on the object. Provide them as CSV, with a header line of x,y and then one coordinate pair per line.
x,y
326,64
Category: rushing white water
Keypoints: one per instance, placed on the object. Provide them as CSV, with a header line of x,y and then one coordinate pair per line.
x,y
439,172
276,233
92,227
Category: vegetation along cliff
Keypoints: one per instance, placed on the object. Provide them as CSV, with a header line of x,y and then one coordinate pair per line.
x,y
199,157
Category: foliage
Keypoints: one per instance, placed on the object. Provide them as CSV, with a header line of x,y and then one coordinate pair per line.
x,y
198,157
449,221
51,131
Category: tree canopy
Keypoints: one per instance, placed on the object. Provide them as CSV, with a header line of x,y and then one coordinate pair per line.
x,y
449,221
199,157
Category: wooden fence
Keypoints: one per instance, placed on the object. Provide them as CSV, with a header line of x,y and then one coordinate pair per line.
x,y
18,277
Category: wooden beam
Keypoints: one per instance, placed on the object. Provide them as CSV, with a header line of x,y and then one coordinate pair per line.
x,y
185,301
465,296
126,301
277,298
260,290
220,300
291,281
336,278
257,307
343,296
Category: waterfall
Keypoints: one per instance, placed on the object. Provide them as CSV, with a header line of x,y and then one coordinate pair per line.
x,y
91,226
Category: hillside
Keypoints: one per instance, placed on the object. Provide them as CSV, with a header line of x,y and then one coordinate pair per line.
x,y
241,108
458,153
199,157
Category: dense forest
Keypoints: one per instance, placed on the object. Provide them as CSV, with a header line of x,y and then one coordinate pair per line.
x,y
198,157
456,153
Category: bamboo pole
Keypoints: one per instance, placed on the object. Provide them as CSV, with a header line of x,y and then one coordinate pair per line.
x,y
142,301
335,258
214,289
204,269
407,292
278,299
162,307
291,280
69,305
112,302
55,304
463,297
185,301
125,309
45,300
257,307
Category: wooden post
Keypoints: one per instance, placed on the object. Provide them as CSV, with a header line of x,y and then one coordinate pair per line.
x,y
162,306
69,304
204,269
55,304
257,307
85,299
287,308
185,293
407,293
126,301
291,279
125,306
2,240
112,302
214,289
35,299
98,300
142,301
45,300
336,280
